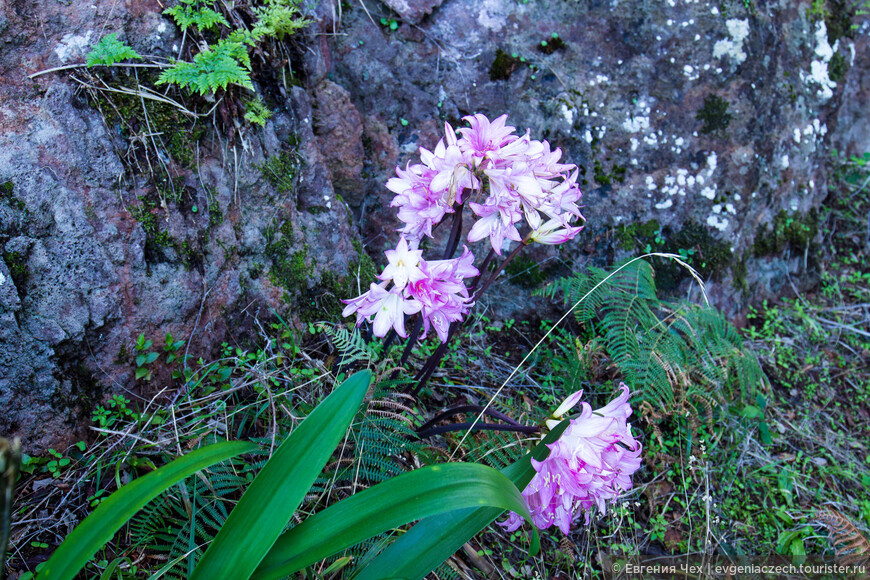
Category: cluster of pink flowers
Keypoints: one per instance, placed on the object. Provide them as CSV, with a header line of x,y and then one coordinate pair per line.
x,y
409,285
521,177
524,176
591,463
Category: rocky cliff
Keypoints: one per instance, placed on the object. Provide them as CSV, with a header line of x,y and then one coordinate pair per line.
x,y
700,128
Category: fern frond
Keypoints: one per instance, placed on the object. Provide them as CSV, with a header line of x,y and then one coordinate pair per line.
x,y
257,112
109,51
189,13
351,345
214,68
673,354
277,19
845,538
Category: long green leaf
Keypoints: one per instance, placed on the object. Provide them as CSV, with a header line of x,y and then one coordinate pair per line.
x,y
411,496
99,527
275,494
432,540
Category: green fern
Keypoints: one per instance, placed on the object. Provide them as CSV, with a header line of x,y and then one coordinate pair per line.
x,y
351,345
217,67
497,449
109,51
197,13
677,356
278,18
257,112
191,513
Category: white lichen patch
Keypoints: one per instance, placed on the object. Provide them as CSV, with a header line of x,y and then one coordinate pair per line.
x,y
711,161
665,204
636,124
73,46
2,279
819,67
732,47
567,114
715,221
690,72
492,15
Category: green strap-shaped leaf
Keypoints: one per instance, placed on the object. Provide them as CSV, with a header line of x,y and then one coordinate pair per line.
x,y
432,540
411,496
99,527
275,494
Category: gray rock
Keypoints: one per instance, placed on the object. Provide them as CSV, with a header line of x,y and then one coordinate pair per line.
x,y
678,112
92,258
711,120
413,11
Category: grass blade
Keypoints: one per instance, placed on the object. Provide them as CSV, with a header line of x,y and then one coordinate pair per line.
x,y
411,496
275,494
432,540
99,527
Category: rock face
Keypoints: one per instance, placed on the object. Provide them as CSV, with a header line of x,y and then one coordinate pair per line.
x,y
94,254
699,126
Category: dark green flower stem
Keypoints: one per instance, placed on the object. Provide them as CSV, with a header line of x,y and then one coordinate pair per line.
x,y
466,409
432,363
528,429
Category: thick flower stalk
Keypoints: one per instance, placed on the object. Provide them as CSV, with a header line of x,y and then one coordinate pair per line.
x,y
513,184
590,464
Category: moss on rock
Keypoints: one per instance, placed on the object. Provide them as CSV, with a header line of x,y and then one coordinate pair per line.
x,y
786,229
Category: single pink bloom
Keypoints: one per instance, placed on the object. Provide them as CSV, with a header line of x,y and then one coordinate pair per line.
x,y
388,308
485,136
404,265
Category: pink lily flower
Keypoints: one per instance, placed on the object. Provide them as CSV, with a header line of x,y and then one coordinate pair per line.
x,y
590,464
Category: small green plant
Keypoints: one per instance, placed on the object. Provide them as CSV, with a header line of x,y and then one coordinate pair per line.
x,y
58,462
257,112
216,67
171,348
390,23
144,358
196,13
116,412
109,51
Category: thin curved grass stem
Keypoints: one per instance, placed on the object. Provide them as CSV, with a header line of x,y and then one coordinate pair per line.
x,y
674,257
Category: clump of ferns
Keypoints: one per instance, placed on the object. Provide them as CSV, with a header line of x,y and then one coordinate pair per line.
x,y
683,359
